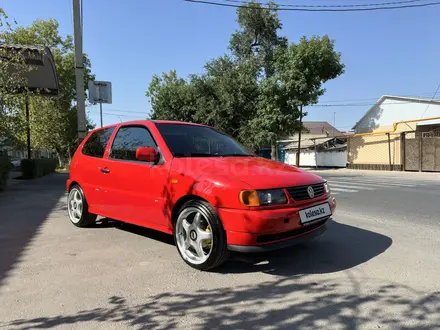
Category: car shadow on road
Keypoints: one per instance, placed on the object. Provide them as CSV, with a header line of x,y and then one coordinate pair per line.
x,y
24,207
340,247
137,230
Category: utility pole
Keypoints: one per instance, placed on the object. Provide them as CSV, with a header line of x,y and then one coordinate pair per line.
x,y
79,70
334,122
299,134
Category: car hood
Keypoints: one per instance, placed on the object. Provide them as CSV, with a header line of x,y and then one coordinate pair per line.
x,y
259,173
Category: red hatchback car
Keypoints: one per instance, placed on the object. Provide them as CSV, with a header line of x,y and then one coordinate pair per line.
x,y
197,184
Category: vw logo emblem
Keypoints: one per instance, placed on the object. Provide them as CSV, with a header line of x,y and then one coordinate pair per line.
x,y
311,192
193,235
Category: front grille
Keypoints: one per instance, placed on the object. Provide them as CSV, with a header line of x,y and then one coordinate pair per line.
x,y
292,233
301,194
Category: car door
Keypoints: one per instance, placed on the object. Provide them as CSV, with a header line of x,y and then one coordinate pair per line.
x,y
87,169
137,188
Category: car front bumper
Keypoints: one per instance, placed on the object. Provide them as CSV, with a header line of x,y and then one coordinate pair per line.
x,y
281,244
271,229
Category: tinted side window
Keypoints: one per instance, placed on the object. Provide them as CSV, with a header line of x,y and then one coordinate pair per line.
x,y
96,144
128,139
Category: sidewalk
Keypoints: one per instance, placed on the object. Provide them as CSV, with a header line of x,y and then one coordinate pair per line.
x,y
13,178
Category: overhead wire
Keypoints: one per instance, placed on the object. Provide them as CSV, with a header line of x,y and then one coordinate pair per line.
x,y
316,9
331,6
432,99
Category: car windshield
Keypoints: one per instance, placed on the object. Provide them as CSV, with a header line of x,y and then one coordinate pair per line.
x,y
199,141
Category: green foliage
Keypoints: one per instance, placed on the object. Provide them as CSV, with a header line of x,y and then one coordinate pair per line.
x,y
255,93
36,168
304,67
274,115
5,167
53,120
223,97
171,98
299,72
257,36
226,95
12,79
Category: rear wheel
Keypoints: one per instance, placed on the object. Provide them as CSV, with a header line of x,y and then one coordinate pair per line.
x,y
199,236
78,208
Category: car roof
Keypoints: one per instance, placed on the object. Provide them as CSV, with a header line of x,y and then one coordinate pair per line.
x,y
143,122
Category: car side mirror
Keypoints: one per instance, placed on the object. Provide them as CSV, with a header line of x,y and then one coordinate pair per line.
x,y
147,154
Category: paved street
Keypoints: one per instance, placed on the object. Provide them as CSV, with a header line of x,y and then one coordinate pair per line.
x,y
377,267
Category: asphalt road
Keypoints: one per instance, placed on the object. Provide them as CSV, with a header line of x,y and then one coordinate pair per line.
x,y
376,267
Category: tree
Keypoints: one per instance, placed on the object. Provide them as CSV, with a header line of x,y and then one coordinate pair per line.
x,y
299,72
257,37
302,68
226,95
171,98
255,42
274,116
255,93
12,72
223,96
53,120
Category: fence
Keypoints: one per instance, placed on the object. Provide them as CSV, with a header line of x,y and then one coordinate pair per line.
x,y
422,151
375,152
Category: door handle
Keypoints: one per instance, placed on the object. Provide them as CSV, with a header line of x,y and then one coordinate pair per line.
x,y
104,170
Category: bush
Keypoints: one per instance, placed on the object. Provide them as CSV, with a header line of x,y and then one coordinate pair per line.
x,y
36,168
5,167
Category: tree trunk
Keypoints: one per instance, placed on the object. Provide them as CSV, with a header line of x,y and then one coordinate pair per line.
x,y
59,158
69,154
273,153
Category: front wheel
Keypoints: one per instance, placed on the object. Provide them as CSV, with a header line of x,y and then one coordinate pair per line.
x,y
199,236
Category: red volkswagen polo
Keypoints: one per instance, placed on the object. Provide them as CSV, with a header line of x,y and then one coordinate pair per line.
x,y
197,184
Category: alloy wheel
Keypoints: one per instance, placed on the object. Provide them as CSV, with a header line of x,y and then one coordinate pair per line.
x,y
194,236
75,205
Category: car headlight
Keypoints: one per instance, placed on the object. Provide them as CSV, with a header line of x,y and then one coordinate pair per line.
x,y
326,188
263,197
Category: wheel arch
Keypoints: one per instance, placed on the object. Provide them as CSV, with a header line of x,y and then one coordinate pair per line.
x,y
178,205
71,184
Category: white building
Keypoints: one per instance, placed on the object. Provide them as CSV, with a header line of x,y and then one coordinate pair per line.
x,y
391,109
403,138
319,147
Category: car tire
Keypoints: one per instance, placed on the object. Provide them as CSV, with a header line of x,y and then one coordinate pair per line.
x,y
78,209
185,242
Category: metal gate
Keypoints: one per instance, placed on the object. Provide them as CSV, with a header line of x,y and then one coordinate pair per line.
x,y
422,151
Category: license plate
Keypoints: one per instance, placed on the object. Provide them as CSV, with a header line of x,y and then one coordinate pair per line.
x,y
315,213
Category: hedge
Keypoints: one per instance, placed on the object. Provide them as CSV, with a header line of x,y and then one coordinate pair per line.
x,y
5,167
36,168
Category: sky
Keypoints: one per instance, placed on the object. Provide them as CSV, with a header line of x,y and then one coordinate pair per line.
x,y
128,41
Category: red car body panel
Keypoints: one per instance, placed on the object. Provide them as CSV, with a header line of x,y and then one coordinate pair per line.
x,y
147,195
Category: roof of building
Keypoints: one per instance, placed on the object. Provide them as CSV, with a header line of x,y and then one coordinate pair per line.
x,y
398,98
308,143
321,127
